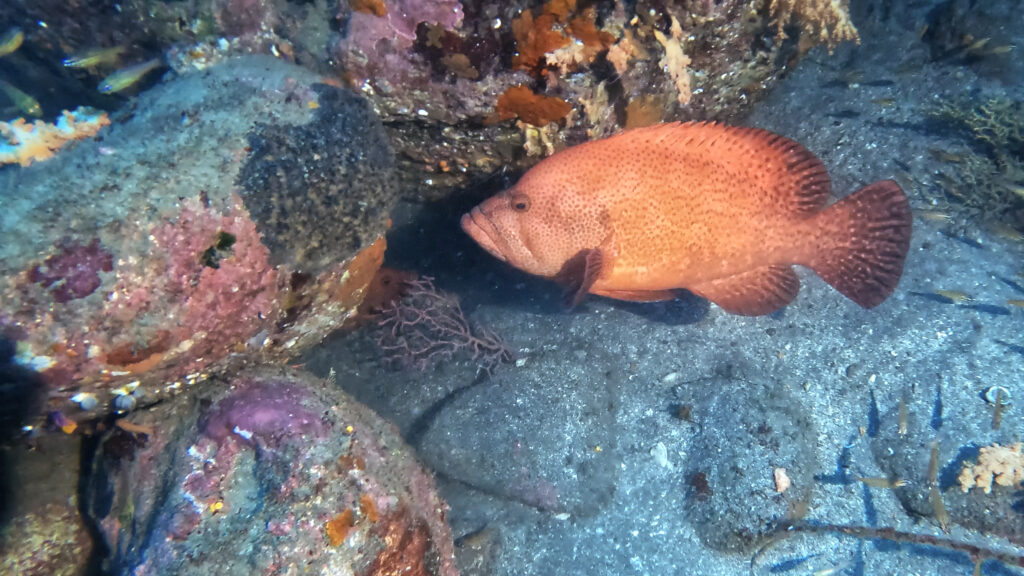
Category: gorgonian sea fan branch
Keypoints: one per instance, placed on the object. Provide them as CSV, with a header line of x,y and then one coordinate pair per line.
x,y
427,326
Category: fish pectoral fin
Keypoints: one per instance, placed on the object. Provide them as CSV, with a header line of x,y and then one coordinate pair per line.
x,y
638,295
754,293
579,273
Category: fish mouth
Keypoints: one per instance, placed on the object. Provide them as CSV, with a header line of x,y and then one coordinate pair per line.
x,y
481,229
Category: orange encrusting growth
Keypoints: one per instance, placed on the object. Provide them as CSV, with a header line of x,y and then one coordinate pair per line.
x,y
339,526
721,211
520,101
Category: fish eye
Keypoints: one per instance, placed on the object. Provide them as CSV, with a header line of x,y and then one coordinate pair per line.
x,y
520,203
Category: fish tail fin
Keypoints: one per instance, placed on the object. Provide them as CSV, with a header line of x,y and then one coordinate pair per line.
x,y
863,241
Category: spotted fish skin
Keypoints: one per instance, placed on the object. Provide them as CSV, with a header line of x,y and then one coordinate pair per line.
x,y
722,211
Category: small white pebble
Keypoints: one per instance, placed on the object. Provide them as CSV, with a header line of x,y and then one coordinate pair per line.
x,y
124,403
782,481
660,454
85,400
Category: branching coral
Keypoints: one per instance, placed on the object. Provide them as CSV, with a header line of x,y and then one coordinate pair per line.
x,y
675,62
821,21
999,465
39,140
983,183
521,102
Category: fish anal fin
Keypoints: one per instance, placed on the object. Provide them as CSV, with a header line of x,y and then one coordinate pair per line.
x,y
638,295
754,293
579,273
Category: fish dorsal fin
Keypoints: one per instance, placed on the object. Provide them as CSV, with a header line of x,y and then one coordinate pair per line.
x,y
579,273
797,181
755,293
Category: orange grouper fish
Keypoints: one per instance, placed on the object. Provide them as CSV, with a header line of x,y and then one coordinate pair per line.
x,y
721,211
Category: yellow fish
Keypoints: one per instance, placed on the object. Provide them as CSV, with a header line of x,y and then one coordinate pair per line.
x,y
27,104
127,77
11,41
93,58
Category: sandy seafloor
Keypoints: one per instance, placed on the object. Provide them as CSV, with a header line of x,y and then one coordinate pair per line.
x,y
596,391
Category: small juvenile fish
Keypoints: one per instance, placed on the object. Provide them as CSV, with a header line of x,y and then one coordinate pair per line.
x,y
1002,49
1017,303
94,57
11,41
935,216
882,482
722,211
127,77
955,296
977,45
25,103
946,156
1007,232
939,508
1016,188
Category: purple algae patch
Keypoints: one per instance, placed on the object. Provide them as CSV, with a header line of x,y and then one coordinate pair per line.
x,y
73,272
264,410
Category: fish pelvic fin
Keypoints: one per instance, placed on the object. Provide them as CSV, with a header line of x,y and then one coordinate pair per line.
x,y
863,241
637,295
579,273
755,293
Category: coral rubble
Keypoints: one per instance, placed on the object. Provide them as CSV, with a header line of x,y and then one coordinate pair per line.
x,y
998,465
27,143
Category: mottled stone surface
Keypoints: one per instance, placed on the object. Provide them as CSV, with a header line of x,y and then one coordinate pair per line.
x,y
263,472
733,498
142,260
42,532
320,191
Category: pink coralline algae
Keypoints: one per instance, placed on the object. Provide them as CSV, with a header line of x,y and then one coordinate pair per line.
x,y
262,411
73,272
382,43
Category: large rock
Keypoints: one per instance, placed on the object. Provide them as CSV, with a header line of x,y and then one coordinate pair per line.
x,y
750,428
42,530
236,210
268,470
